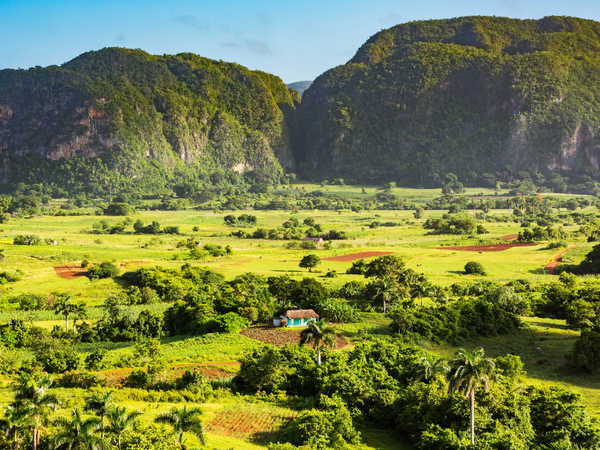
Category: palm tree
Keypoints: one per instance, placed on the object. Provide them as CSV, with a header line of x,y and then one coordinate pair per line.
x,y
184,420
119,420
77,433
79,312
429,367
388,288
469,371
15,420
421,289
31,394
99,403
63,307
320,335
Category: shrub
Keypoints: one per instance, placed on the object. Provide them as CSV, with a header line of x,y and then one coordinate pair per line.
x,y
330,427
28,239
338,310
58,360
80,380
138,379
102,270
230,323
586,352
93,361
474,268
118,209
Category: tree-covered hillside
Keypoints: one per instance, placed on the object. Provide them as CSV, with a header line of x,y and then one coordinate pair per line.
x,y
486,98
115,116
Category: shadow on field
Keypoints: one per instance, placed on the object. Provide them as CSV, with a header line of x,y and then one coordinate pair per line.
x,y
457,272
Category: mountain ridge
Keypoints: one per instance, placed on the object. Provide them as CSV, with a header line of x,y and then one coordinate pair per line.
x,y
472,95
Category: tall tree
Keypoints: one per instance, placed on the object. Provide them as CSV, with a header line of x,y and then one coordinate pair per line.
x,y
80,312
309,261
320,335
468,372
184,420
119,420
31,394
64,307
77,433
99,403
14,422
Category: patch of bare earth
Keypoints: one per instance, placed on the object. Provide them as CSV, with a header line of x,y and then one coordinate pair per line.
x,y
70,272
355,256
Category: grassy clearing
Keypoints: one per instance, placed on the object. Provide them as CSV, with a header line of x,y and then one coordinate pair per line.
x,y
542,345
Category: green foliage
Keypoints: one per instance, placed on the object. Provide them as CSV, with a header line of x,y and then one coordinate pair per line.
x,y
103,270
310,261
451,224
328,428
454,322
29,239
474,268
58,360
118,209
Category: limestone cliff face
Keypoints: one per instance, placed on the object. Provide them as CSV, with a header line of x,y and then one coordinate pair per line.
x,y
473,96
124,105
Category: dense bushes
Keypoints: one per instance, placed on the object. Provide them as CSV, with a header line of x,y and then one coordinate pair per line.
x,y
375,381
451,224
455,322
474,268
103,270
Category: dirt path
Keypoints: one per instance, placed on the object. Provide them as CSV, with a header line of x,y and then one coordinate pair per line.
x,y
510,237
556,260
354,256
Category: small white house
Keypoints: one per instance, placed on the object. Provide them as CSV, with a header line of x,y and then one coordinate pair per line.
x,y
296,318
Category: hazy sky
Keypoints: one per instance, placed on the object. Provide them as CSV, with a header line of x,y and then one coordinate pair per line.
x,y
296,40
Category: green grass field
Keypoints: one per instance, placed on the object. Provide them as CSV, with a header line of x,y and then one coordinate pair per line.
x,y
542,345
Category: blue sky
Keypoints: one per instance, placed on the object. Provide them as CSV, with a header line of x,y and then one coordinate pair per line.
x,y
296,40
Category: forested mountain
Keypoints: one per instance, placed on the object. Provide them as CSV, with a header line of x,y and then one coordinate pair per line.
x,y
118,117
483,97
300,86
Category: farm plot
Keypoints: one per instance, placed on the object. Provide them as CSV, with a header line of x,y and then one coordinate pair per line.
x,y
250,422
282,336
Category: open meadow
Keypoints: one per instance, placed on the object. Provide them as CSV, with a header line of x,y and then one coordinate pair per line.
x,y
245,420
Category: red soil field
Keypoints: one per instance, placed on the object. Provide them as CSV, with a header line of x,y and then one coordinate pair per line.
x,y
280,336
354,256
556,260
70,272
486,248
